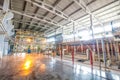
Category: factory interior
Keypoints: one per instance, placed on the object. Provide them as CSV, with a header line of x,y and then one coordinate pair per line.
x,y
59,39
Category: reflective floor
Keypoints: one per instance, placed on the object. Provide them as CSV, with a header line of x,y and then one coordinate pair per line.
x,y
40,67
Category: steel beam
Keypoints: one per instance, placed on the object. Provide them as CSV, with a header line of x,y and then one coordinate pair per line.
x,y
47,7
27,24
56,2
82,4
45,27
104,52
43,20
24,9
36,10
51,9
6,5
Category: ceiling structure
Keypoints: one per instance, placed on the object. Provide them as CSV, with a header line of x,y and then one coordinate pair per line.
x,y
1,4
43,15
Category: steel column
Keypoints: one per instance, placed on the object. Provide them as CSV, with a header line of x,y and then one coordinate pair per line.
x,y
115,50
81,47
61,46
2,37
104,53
117,44
61,52
91,51
6,5
108,50
111,50
98,52
74,50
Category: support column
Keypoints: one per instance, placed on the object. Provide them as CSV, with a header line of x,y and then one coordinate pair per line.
x,y
111,50
81,48
6,5
2,37
104,53
61,54
115,51
91,52
117,46
67,49
97,43
6,48
61,48
55,41
74,50
108,50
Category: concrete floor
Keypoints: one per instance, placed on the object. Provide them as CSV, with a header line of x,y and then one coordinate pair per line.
x,y
39,67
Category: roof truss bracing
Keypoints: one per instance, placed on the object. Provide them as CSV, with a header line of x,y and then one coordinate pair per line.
x,y
45,15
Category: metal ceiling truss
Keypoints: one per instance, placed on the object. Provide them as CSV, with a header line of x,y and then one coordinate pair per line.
x,y
101,12
36,18
43,18
64,10
42,26
28,24
47,7
24,9
82,4
51,9
54,4
81,8
74,11
51,29
46,20
36,10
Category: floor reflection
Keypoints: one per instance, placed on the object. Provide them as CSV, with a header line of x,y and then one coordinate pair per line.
x,y
42,68
38,67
